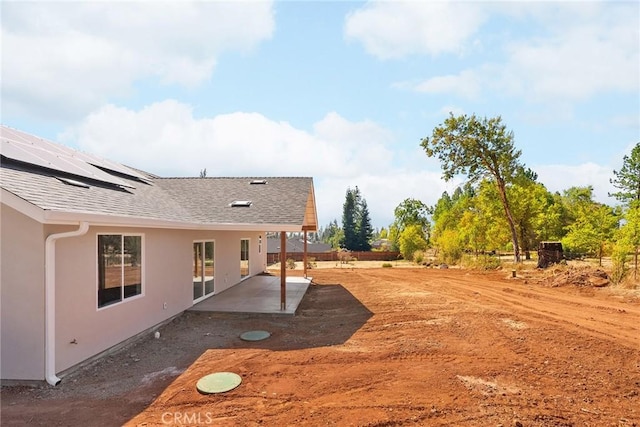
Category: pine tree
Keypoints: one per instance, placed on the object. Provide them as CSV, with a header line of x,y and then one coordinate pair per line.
x,y
627,180
356,222
349,213
365,229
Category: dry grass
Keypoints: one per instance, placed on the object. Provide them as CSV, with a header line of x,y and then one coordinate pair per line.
x,y
352,264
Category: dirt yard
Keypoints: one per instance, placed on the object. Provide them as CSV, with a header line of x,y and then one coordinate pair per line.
x,y
376,347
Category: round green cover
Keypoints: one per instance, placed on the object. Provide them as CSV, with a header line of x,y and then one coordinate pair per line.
x,y
255,335
219,382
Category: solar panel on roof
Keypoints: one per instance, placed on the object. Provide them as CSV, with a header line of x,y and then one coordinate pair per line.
x,y
108,164
38,157
73,182
29,149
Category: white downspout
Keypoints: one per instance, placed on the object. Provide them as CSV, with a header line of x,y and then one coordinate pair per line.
x,y
50,301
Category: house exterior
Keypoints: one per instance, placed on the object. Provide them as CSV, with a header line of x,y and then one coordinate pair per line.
x,y
93,253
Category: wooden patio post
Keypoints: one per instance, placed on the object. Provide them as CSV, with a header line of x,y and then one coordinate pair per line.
x,y
304,255
283,271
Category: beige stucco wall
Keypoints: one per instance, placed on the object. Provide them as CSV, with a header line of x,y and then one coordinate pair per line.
x,y
82,330
21,296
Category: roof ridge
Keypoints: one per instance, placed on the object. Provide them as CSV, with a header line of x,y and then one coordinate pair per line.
x,y
233,177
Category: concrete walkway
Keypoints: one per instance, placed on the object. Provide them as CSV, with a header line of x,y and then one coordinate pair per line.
x,y
257,294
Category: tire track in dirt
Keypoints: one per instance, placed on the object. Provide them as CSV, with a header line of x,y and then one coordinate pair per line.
x,y
593,317
383,347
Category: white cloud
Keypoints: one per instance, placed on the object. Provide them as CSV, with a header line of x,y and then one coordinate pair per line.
x,y
396,29
465,84
384,189
556,54
68,58
562,177
585,52
165,138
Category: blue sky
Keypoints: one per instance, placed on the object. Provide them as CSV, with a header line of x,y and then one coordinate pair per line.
x,y
341,91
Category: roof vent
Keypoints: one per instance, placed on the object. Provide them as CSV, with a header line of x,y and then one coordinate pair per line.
x,y
258,182
240,204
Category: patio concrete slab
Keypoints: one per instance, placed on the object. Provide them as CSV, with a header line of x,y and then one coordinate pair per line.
x,y
257,294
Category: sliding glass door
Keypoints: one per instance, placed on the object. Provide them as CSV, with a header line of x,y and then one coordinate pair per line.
x,y
244,258
203,269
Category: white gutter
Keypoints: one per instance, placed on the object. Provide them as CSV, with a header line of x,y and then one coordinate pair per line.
x,y
50,301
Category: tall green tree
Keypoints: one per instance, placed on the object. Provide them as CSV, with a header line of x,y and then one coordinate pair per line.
x,y
478,148
356,222
490,211
442,206
364,227
551,222
337,239
628,237
627,179
594,224
411,239
473,231
349,220
331,234
448,214
411,212
528,199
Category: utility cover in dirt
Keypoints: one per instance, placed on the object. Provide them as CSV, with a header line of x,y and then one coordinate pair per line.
x,y
255,335
220,382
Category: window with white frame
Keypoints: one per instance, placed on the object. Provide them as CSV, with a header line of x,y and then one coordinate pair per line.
x,y
244,258
203,268
119,267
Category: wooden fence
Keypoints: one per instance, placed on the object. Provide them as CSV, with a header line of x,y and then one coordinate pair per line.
x,y
273,258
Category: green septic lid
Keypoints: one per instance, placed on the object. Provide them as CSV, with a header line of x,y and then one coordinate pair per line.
x,y
219,382
255,335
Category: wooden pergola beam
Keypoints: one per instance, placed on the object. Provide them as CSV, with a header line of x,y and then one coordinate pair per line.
x,y
304,255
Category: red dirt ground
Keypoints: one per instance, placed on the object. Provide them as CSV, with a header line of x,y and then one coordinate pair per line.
x,y
375,347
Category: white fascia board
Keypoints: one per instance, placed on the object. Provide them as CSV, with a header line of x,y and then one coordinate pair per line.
x,y
64,217
24,207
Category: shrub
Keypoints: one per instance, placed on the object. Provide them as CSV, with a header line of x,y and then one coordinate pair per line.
x,y
291,264
411,240
344,256
619,263
450,246
418,257
311,263
387,265
481,262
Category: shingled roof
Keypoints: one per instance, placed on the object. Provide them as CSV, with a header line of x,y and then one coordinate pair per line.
x,y
276,203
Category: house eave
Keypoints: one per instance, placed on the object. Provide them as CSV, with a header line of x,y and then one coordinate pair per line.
x,y
21,205
96,219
